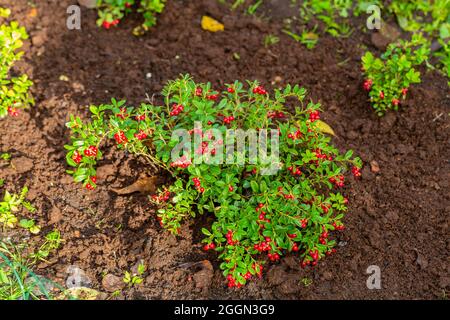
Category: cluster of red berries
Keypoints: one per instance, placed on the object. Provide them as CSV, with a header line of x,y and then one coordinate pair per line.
x,y
261,247
163,197
176,109
140,117
204,148
210,246
323,237
141,135
120,137
91,151
229,237
322,156
108,25
213,97
183,162
325,208
198,92
122,114
356,172
273,256
304,223
338,181
232,282
89,186
13,112
197,185
367,84
275,114
314,115
228,120
338,227
259,90
296,135
295,172
77,157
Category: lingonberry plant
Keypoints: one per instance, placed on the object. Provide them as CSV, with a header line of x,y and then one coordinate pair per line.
x,y
256,215
14,91
110,12
388,78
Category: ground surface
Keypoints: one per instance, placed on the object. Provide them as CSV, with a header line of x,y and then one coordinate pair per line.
x,y
398,218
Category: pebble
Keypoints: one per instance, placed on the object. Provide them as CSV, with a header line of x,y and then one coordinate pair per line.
x,y
112,283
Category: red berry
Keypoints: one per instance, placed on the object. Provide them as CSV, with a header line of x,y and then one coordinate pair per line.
x,y
395,102
198,92
368,84
77,157
120,137
141,135
381,95
230,90
230,188
90,187
13,112
91,151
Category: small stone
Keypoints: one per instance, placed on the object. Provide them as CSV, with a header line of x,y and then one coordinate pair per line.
x,y
55,215
22,164
421,261
105,171
112,283
77,87
77,278
327,275
386,35
38,39
203,277
374,166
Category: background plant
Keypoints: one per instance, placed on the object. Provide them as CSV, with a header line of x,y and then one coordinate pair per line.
x,y
110,12
388,78
257,216
17,279
10,205
14,91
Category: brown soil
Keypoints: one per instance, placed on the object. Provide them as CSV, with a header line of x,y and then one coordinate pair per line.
x,y
398,218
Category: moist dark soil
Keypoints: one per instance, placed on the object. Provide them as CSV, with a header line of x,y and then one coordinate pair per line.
x,y
398,218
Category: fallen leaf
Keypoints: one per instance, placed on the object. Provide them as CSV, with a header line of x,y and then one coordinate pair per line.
x,y
32,13
142,185
210,24
140,30
324,127
64,78
374,167
82,293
